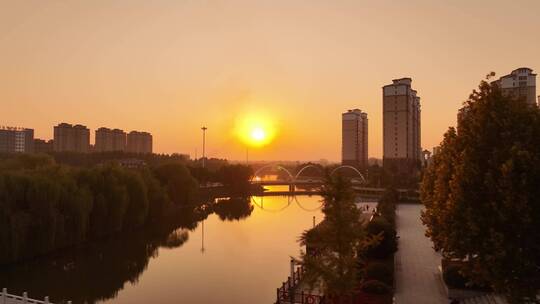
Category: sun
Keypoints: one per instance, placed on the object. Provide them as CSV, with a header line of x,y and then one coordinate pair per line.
x,y
258,134
255,130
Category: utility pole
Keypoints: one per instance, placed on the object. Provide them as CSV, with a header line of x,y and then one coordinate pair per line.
x,y
204,146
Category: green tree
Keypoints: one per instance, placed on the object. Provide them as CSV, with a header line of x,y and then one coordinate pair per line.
x,y
334,246
46,207
180,185
159,202
482,193
137,210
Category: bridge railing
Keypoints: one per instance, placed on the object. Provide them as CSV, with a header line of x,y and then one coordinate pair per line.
x,y
24,299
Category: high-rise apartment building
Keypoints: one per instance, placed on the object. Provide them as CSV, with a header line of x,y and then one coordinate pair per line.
x,y
402,144
139,142
110,140
69,138
354,139
13,139
521,83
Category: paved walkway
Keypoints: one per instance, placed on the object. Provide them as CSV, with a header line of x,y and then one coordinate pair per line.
x,y
417,275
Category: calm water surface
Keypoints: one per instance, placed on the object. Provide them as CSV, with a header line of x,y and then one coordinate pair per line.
x,y
215,261
242,262
219,260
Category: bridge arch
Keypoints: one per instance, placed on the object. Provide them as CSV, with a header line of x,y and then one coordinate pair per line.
x,y
279,167
277,210
306,167
348,167
307,209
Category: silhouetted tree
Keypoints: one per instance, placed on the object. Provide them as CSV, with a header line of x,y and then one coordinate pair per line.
x,y
180,185
337,242
235,178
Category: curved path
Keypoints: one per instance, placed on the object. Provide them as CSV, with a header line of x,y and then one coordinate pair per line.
x,y
417,274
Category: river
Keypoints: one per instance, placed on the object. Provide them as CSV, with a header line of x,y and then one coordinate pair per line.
x,y
239,261
227,258
242,261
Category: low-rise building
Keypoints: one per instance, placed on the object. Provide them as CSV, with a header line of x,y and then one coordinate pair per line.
x,y
43,146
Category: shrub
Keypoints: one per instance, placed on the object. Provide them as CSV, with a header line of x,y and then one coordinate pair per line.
x,y
376,287
386,206
388,245
453,278
380,272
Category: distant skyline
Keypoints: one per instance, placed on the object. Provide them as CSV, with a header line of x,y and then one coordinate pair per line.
x,y
170,67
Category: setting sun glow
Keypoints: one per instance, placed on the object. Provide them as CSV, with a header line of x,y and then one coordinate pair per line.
x,y
258,134
255,130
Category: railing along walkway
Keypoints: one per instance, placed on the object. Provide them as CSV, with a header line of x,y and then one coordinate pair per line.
x,y
6,298
287,293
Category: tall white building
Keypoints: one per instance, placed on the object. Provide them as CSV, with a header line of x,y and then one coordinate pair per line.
x,y
521,83
354,139
402,144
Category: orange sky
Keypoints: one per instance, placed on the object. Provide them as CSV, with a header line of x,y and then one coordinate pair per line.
x,y
168,67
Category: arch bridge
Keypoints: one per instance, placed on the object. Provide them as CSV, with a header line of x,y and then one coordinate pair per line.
x,y
298,180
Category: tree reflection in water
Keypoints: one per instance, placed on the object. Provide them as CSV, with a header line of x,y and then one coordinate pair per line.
x,y
233,209
98,271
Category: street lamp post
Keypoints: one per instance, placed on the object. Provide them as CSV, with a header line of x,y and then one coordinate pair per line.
x,y
204,146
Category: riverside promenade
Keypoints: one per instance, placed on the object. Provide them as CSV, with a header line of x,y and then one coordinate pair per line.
x,y
417,275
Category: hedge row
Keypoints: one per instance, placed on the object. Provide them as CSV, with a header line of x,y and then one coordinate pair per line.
x,y
378,274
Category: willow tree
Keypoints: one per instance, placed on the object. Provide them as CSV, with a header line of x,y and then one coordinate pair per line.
x,y
335,244
482,193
